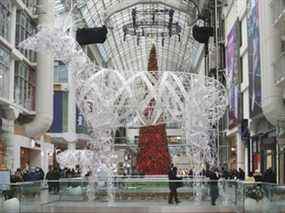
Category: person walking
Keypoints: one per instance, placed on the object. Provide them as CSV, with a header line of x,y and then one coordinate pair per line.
x,y
241,174
173,185
53,175
269,176
214,189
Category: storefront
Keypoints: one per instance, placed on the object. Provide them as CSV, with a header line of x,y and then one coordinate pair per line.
x,y
35,153
2,153
31,157
232,152
263,152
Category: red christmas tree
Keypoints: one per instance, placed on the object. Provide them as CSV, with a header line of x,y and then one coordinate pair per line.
x,y
152,60
153,155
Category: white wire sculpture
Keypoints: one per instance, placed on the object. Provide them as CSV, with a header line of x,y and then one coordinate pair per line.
x,y
113,98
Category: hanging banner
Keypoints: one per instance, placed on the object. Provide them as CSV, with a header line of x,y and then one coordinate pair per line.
x,y
232,60
254,59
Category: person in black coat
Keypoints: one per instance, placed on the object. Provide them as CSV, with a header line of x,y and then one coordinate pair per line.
x,y
172,176
269,176
214,189
241,174
53,175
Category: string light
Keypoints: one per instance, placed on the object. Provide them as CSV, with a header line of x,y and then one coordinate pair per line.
x,y
113,98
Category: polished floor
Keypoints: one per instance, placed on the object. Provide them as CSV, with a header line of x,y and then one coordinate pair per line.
x,y
126,207
56,203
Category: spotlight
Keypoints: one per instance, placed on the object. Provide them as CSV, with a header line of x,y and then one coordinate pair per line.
x,y
202,34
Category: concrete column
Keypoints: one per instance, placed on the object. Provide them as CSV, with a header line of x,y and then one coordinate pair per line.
x,y
46,148
45,71
71,106
272,96
71,145
71,101
280,159
12,41
246,161
240,153
281,168
13,25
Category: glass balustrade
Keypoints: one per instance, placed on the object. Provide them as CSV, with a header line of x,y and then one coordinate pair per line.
x,y
122,191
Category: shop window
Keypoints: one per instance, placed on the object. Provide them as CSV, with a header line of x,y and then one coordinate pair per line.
x,y
25,89
5,17
240,32
241,68
60,72
4,72
24,157
25,27
60,109
136,141
2,154
241,106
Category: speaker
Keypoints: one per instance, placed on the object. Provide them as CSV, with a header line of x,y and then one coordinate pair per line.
x,y
202,34
94,35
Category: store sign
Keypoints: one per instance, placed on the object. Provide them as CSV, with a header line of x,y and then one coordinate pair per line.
x,y
254,58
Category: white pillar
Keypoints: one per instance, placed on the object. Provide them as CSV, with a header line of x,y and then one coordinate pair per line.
x,y
71,145
13,25
240,153
246,161
71,102
71,106
12,41
272,96
45,69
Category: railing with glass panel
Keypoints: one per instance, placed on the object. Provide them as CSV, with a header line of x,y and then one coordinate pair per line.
x,y
138,191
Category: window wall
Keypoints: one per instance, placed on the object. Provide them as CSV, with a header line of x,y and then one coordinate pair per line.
x,y
5,17
31,5
4,72
25,88
25,27
60,72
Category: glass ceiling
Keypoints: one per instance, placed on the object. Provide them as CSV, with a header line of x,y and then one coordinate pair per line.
x,y
129,52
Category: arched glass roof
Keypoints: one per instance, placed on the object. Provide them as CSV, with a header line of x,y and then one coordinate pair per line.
x,y
131,52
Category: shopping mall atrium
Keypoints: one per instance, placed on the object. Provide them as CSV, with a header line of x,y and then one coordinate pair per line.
x,y
142,106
